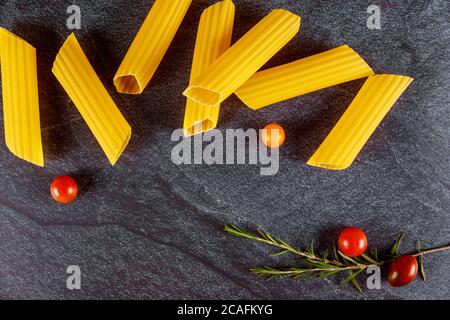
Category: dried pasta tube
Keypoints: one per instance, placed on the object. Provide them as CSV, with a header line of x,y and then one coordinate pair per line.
x,y
213,39
303,76
244,58
150,45
78,78
353,130
20,98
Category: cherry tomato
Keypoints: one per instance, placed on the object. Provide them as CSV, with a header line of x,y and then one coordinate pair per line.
x,y
352,242
273,135
64,189
403,271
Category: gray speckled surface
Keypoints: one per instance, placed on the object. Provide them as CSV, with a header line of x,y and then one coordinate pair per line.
x,y
149,229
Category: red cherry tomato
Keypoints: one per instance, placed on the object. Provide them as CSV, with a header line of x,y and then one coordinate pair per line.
x,y
403,271
273,135
352,242
64,189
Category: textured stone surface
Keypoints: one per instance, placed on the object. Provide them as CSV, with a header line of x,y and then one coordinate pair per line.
x,y
149,229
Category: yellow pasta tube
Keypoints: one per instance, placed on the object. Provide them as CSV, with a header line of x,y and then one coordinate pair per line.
x,y
20,98
244,58
78,78
303,76
213,39
353,130
150,45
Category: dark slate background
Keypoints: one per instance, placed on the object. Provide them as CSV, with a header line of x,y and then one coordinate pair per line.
x,y
147,229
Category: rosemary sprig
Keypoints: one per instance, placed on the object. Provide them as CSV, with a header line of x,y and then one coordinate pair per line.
x,y
315,265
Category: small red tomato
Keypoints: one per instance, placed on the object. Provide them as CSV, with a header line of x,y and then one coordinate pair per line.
x,y
352,242
273,135
403,271
64,189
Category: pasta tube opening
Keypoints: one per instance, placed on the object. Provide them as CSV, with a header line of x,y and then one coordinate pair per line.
x,y
199,127
150,45
121,148
213,39
204,96
329,166
128,84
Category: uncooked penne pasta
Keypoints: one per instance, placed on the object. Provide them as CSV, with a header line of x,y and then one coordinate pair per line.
x,y
150,45
348,137
20,98
244,58
303,76
78,78
213,39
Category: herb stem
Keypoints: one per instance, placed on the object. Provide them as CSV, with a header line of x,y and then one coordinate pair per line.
x,y
433,250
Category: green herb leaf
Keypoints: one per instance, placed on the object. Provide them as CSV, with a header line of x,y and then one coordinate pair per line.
x,y
311,248
356,285
352,275
325,255
369,259
421,264
327,274
279,253
336,256
396,246
375,254
348,259
422,268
